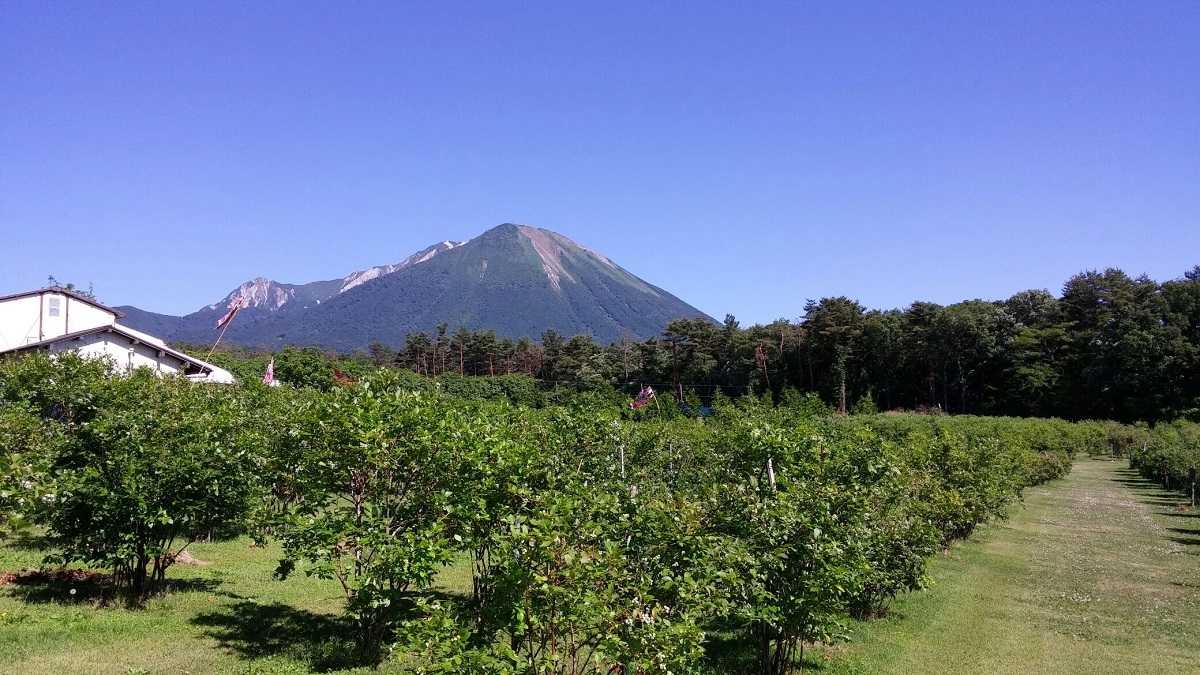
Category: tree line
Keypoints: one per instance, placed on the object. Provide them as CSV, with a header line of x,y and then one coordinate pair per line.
x,y
1110,346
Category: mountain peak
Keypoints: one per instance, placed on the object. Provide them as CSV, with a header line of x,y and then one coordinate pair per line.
x,y
501,231
260,293
518,280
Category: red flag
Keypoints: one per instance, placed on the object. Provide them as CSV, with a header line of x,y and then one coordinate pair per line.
x,y
234,306
269,376
644,397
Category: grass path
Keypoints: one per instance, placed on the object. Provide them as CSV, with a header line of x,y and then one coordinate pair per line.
x,y
1096,573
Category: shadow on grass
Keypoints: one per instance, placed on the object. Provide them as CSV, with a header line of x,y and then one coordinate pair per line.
x,y
1162,502
727,650
1186,541
322,642
1158,496
26,541
1153,494
1134,480
252,630
1179,514
1134,483
1149,488
76,586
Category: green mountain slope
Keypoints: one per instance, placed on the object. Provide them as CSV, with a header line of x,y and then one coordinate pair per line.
x,y
514,279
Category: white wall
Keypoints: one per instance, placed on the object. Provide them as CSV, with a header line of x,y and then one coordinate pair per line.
x,y
127,357
117,349
28,319
18,322
82,316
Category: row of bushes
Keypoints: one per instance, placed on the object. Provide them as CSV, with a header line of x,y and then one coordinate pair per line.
x,y
600,539
1168,453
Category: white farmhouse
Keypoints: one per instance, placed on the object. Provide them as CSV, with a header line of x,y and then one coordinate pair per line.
x,y
58,320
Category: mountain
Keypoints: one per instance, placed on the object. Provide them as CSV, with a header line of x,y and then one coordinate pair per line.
x,y
362,276
264,298
514,279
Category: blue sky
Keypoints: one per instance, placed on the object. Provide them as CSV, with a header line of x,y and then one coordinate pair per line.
x,y
743,158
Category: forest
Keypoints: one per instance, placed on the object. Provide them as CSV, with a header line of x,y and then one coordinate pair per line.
x,y
1109,347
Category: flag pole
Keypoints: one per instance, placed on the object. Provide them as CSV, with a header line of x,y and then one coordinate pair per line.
x,y
222,334
234,308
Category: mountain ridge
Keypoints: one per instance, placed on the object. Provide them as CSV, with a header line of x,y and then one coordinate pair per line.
x,y
517,280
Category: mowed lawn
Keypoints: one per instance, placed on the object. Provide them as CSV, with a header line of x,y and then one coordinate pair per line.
x,y
1096,573
227,616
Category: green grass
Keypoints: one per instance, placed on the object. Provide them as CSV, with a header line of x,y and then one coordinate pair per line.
x,y
1096,573
228,616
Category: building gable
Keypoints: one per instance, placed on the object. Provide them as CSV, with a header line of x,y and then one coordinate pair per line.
x,y
34,316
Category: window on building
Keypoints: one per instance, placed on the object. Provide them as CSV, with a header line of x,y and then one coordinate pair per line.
x,y
54,306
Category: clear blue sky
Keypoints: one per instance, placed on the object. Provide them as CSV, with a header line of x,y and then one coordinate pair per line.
x,y
743,158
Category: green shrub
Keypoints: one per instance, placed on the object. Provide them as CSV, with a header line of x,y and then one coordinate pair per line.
x,y
28,444
373,483
160,465
1169,453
